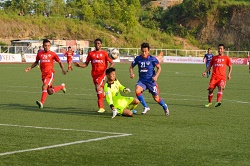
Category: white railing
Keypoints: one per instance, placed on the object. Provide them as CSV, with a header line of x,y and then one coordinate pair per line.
x,y
124,51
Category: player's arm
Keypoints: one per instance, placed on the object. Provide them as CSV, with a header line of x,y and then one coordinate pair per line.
x,y
82,65
132,75
158,71
109,97
32,66
230,67
62,67
207,69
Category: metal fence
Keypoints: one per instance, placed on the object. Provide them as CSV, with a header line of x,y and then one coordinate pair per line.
x,y
124,51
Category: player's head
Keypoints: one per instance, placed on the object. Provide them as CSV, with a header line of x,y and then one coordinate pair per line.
x,y
145,50
46,45
221,49
69,48
98,44
110,73
208,50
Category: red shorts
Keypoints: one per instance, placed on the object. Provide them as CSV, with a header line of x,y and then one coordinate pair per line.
x,y
48,78
217,82
69,60
100,80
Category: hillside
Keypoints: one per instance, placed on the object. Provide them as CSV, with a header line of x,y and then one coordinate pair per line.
x,y
39,27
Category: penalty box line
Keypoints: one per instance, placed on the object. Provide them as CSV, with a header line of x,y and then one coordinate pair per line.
x,y
113,135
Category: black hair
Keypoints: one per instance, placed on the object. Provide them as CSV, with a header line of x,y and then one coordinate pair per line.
x,y
98,40
69,46
221,45
46,41
109,70
145,45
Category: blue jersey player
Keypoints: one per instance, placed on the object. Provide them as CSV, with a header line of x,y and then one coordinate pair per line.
x,y
208,57
147,77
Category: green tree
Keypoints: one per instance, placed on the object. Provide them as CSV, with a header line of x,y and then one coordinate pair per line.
x,y
57,7
88,13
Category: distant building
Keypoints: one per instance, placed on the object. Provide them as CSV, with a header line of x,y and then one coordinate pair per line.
x,y
165,3
31,46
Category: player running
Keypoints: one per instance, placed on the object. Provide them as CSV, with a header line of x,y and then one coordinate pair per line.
x,y
207,58
219,64
119,104
147,77
69,54
99,61
47,58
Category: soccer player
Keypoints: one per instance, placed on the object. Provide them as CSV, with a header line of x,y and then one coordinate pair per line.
x,y
47,58
219,64
207,58
147,77
119,104
69,54
99,61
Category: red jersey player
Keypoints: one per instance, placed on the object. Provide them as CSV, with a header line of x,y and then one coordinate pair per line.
x,y
219,64
69,54
47,58
99,61
249,62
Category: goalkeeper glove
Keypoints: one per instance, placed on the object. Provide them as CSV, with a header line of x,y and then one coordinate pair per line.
x,y
126,90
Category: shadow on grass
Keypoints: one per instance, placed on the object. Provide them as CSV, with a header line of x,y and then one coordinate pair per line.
x,y
64,110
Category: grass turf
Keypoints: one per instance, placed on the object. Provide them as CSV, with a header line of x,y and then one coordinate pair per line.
x,y
191,135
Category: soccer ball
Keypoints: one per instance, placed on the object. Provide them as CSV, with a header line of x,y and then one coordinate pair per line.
x,y
114,53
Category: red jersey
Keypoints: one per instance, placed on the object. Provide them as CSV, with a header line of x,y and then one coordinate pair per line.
x,y
69,55
47,61
99,61
220,64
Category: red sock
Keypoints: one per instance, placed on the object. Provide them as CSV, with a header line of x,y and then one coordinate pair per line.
x,y
219,96
210,97
57,88
100,99
44,96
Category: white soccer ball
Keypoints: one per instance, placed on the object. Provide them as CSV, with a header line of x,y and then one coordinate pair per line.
x,y
114,53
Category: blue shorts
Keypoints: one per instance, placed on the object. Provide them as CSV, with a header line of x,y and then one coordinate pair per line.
x,y
207,64
151,86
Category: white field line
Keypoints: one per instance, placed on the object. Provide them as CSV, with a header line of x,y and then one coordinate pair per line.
x,y
190,97
114,135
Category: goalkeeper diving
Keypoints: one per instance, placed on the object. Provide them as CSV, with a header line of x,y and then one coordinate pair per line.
x,y
119,104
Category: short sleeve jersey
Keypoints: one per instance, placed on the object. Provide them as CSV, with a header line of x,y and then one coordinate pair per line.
x,y
112,91
208,57
220,64
99,61
146,67
69,55
47,61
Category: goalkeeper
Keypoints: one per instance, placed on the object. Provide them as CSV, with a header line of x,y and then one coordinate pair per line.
x,y
119,104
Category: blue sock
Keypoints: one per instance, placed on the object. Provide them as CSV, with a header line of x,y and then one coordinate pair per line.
x,y
163,104
141,99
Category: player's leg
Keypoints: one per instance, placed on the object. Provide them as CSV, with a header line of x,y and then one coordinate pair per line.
x,y
208,72
70,63
140,87
221,87
59,87
127,112
211,87
161,102
133,105
99,83
44,93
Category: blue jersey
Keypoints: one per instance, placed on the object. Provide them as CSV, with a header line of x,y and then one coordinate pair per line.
x,y
208,58
145,67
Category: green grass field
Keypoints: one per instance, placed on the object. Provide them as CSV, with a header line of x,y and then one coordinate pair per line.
x,y
69,131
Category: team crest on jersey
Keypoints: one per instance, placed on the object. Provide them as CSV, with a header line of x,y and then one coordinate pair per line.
x,y
147,63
